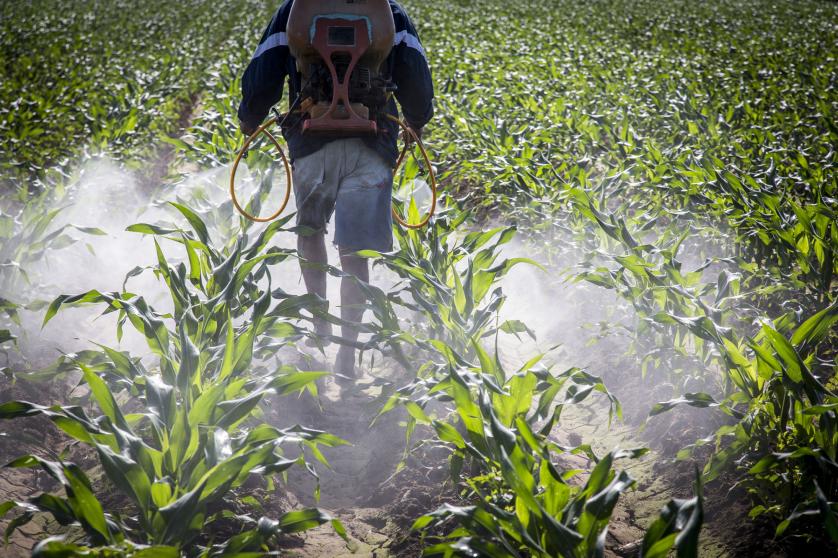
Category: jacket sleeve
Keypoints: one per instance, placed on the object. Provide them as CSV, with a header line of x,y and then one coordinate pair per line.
x,y
264,77
411,73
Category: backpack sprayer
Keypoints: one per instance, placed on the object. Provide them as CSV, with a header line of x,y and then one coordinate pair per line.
x,y
340,47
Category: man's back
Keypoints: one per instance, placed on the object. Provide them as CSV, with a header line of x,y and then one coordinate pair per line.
x,y
272,62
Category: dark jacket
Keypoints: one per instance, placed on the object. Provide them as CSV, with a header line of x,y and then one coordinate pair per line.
x,y
272,62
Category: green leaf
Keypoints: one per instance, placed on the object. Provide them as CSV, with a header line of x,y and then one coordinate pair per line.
x,y
84,503
161,493
144,228
195,222
302,520
812,331
179,517
827,514
104,398
701,400
6,335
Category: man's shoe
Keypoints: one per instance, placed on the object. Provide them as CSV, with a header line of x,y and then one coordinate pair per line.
x,y
345,366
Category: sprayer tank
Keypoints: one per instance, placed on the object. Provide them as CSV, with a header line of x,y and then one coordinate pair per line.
x,y
376,14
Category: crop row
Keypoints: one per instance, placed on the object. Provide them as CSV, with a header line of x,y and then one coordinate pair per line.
x,y
638,134
631,139
179,435
91,77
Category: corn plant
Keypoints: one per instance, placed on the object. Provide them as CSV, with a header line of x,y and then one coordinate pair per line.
x,y
688,127
179,462
28,235
678,526
500,425
59,106
449,290
774,383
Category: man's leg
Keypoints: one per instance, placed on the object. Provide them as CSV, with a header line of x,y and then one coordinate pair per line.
x,y
313,249
351,309
362,221
316,181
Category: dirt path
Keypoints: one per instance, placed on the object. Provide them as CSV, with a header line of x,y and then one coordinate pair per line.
x,y
355,489
364,528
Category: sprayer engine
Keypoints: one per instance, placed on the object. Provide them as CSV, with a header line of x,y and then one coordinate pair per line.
x,y
341,47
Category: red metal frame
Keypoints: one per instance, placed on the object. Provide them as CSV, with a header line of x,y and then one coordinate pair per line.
x,y
330,122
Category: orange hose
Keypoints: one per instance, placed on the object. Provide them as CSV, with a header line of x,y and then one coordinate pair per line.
x,y
239,156
288,174
433,184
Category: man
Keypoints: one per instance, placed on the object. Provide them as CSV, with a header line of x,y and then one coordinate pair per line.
x,y
350,176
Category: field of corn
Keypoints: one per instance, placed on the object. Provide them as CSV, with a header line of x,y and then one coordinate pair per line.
x,y
618,336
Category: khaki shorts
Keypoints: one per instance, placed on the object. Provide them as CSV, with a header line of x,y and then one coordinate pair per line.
x,y
351,180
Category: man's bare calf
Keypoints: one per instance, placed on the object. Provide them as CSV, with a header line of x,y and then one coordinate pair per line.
x,y
313,249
